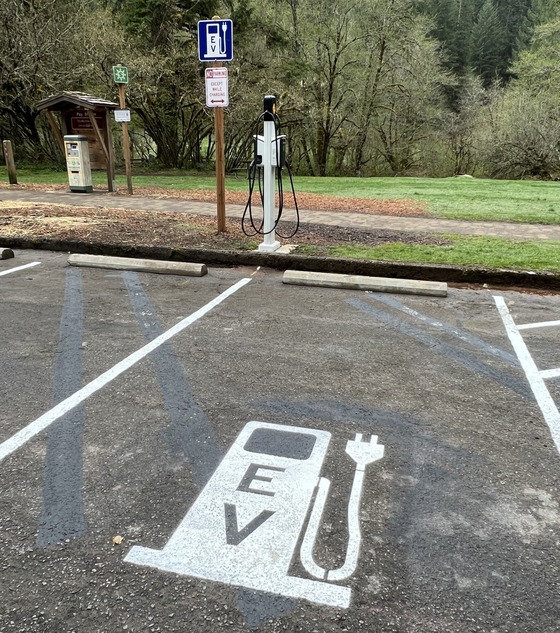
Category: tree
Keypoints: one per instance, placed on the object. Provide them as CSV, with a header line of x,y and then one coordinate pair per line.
x,y
526,135
47,46
460,126
412,102
356,64
538,69
526,138
489,44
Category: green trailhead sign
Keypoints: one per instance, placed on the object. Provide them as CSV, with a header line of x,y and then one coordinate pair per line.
x,y
120,74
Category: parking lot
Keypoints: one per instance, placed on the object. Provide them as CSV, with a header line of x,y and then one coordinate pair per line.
x,y
228,452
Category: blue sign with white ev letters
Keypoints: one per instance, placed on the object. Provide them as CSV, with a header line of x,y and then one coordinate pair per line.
x,y
215,40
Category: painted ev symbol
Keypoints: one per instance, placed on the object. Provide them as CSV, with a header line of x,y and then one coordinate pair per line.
x,y
244,527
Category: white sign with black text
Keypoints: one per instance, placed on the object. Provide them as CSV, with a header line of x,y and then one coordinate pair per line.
x,y
122,116
217,95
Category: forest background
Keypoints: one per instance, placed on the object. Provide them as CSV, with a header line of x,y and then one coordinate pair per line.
x,y
365,87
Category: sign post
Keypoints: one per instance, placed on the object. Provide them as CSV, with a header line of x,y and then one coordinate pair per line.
x,y
10,163
215,44
217,97
120,76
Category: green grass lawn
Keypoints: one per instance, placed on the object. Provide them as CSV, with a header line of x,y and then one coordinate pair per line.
x,y
460,250
453,198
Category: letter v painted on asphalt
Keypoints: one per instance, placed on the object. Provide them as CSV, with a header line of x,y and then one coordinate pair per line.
x,y
234,535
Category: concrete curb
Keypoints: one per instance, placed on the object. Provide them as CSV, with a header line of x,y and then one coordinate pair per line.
x,y
450,274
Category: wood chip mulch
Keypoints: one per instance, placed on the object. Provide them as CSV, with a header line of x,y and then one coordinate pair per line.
x,y
169,229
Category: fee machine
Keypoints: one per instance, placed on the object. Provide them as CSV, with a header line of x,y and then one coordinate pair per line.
x,y
78,164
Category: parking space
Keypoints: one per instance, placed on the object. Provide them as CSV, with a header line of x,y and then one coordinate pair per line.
x,y
230,452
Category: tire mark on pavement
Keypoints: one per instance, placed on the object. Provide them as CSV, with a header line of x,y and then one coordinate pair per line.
x,y
63,515
196,437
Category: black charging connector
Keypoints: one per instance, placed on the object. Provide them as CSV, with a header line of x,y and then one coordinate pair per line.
x,y
269,109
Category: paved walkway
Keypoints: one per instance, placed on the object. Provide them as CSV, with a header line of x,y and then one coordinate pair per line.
x,y
352,220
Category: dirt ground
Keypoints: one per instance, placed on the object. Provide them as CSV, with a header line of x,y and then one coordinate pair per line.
x,y
157,228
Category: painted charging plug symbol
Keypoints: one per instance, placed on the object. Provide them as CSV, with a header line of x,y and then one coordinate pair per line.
x,y
245,526
363,453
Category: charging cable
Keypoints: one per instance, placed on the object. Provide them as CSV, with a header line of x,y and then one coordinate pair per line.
x,y
254,176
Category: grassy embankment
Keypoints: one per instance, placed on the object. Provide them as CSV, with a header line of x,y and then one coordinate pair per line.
x,y
466,199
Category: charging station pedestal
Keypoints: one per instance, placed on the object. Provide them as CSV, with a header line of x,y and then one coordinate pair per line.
x,y
77,163
269,243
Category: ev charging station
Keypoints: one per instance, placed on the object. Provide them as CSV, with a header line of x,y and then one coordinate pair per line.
x,y
78,165
269,159
269,151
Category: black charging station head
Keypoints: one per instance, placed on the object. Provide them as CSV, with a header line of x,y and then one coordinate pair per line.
x,y
269,107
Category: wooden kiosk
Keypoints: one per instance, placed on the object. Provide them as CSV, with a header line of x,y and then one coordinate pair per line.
x,y
79,113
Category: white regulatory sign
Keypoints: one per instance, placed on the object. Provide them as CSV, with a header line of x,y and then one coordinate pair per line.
x,y
122,116
217,95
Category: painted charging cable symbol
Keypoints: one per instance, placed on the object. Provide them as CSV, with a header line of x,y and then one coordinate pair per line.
x,y
363,453
247,523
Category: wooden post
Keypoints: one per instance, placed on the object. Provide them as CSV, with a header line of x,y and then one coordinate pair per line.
x,y
110,154
220,168
10,164
56,130
126,140
220,164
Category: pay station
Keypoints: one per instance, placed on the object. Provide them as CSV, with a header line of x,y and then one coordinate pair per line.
x,y
78,165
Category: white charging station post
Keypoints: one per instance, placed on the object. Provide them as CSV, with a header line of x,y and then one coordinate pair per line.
x,y
269,153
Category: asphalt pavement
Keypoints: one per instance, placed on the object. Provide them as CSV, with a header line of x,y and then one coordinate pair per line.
x,y
232,453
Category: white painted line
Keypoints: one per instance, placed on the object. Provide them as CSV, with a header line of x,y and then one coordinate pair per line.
x,y
308,543
13,270
530,326
363,453
544,399
41,423
550,373
354,532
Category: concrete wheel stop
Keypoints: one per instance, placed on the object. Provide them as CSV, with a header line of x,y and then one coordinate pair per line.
x,y
139,265
360,282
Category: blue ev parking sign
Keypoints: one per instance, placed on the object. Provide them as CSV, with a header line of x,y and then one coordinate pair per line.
x,y
215,40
